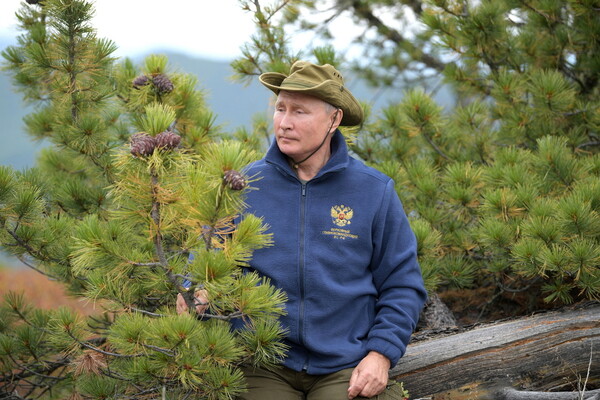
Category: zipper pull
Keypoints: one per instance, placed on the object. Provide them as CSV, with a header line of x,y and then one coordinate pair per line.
x,y
303,189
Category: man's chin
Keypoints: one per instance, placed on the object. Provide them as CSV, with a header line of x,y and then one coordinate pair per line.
x,y
287,148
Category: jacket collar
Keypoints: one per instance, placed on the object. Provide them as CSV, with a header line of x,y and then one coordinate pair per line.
x,y
338,160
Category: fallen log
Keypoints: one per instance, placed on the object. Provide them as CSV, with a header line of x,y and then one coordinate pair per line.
x,y
513,394
552,351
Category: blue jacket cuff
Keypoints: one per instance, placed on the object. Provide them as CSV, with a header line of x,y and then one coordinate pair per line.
x,y
386,348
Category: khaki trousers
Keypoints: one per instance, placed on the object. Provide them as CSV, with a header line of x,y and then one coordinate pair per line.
x,y
283,383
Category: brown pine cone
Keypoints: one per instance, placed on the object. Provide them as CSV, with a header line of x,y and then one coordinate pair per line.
x,y
140,81
167,140
234,179
142,144
162,83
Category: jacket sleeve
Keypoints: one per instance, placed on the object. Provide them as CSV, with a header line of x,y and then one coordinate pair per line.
x,y
397,277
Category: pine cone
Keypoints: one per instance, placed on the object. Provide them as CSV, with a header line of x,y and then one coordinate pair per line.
x,y
140,81
142,144
162,83
234,179
33,1
167,140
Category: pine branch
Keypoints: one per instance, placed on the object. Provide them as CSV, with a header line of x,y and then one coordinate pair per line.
x,y
463,14
15,309
208,235
435,147
38,374
144,392
112,374
551,22
266,28
96,349
29,265
155,214
362,9
235,314
158,245
588,144
228,317
35,253
151,314
188,295
47,388
148,264
275,10
47,367
508,289
167,352
102,325
72,78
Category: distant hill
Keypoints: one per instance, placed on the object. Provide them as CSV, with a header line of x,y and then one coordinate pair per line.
x,y
233,103
17,149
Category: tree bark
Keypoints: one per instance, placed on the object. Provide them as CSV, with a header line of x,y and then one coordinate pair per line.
x,y
512,394
552,351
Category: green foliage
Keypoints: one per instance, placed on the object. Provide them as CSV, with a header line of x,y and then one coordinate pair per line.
x,y
135,181
157,118
494,188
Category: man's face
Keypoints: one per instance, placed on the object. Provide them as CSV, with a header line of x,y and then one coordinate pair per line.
x,y
301,122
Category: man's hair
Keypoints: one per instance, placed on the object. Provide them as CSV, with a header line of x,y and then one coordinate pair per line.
x,y
329,107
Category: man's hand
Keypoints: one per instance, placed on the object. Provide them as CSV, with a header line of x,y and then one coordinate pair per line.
x,y
200,298
370,376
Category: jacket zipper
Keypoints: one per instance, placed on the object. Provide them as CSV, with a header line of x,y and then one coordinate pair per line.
x,y
301,272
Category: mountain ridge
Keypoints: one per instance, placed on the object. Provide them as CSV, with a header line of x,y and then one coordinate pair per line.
x,y
234,104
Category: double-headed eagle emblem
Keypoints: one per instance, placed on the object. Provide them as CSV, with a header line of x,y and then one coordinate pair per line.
x,y
341,215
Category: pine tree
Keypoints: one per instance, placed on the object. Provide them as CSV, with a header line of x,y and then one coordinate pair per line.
x,y
503,191
137,198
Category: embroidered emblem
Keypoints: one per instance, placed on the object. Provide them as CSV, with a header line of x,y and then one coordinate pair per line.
x,y
341,215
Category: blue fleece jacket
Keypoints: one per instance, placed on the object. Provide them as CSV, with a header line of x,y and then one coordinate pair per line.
x,y
345,255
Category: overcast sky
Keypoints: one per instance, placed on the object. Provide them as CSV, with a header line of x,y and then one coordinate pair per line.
x,y
213,29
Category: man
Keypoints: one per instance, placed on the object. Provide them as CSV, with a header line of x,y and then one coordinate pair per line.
x,y
343,250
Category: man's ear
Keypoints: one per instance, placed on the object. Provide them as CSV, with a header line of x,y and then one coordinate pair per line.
x,y
337,119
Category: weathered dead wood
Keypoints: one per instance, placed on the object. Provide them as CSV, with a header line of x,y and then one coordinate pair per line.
x,y
513,394
549,351
437,315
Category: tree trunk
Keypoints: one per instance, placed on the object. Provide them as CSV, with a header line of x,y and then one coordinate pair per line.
x,y
552,351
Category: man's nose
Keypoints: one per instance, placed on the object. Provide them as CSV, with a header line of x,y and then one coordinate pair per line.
x,y
285,122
